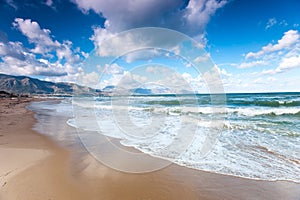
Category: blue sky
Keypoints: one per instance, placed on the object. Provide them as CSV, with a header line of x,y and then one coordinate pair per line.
x,y
254,44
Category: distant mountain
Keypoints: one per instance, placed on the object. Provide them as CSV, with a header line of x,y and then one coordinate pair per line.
x,y
109,88
27,85
141,91
150,89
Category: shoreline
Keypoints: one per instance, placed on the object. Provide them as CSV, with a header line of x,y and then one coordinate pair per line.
x,y
54,176
33,160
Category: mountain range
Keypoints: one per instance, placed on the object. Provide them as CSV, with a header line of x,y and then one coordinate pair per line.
x,y
24,85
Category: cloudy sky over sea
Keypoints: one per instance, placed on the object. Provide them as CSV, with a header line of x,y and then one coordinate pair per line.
x,y
255,44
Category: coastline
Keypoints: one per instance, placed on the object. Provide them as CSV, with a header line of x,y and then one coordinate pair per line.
x,y
48,172
36,167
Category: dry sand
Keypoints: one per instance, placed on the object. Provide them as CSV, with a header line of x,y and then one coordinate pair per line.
x,y
32,166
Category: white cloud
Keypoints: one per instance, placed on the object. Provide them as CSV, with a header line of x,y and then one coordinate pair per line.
x,y
223,72
271,79
64,51
123,82
99,37
29,66
44,44
89,79
259,81
146,54
284,55
178,83
198,13
84,54
110,74
196,83
252,64
274,68
49,3
108,44
189,17
12,4
13,49
289,63
283,23
153,69
19,60
113,69
40,37
271,22
213,79
289,39
122,15
283,67
153,76
269,72
202,59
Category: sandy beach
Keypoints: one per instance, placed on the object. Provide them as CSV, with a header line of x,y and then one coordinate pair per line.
x,y
33,166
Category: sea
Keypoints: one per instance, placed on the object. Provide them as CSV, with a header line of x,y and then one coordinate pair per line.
x,y
254,136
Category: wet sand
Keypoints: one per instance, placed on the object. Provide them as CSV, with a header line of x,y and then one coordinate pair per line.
x,y
33,166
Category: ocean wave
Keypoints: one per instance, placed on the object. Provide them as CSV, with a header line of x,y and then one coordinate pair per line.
x,y
265,103
250,147
240,111
172,107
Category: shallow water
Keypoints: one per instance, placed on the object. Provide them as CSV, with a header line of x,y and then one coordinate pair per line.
x,y
252,136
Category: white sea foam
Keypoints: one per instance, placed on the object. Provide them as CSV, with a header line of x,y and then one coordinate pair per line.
x,y
250,144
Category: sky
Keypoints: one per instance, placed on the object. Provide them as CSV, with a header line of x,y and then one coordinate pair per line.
x,y
253,46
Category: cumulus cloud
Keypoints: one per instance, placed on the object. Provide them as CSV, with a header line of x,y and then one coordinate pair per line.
x,y
44,44
282,56
155,77
222,72
197,14
89,79
122,15
113,69
65,51
213,79
287,63
108,44
28,65
267,64
19,60
12,49
40,37
147,55
289,39
203,58
252,64
99,37
196,83
154,69
189,17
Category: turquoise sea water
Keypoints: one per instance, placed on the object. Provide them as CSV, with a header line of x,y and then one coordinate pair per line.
x,y
256,135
